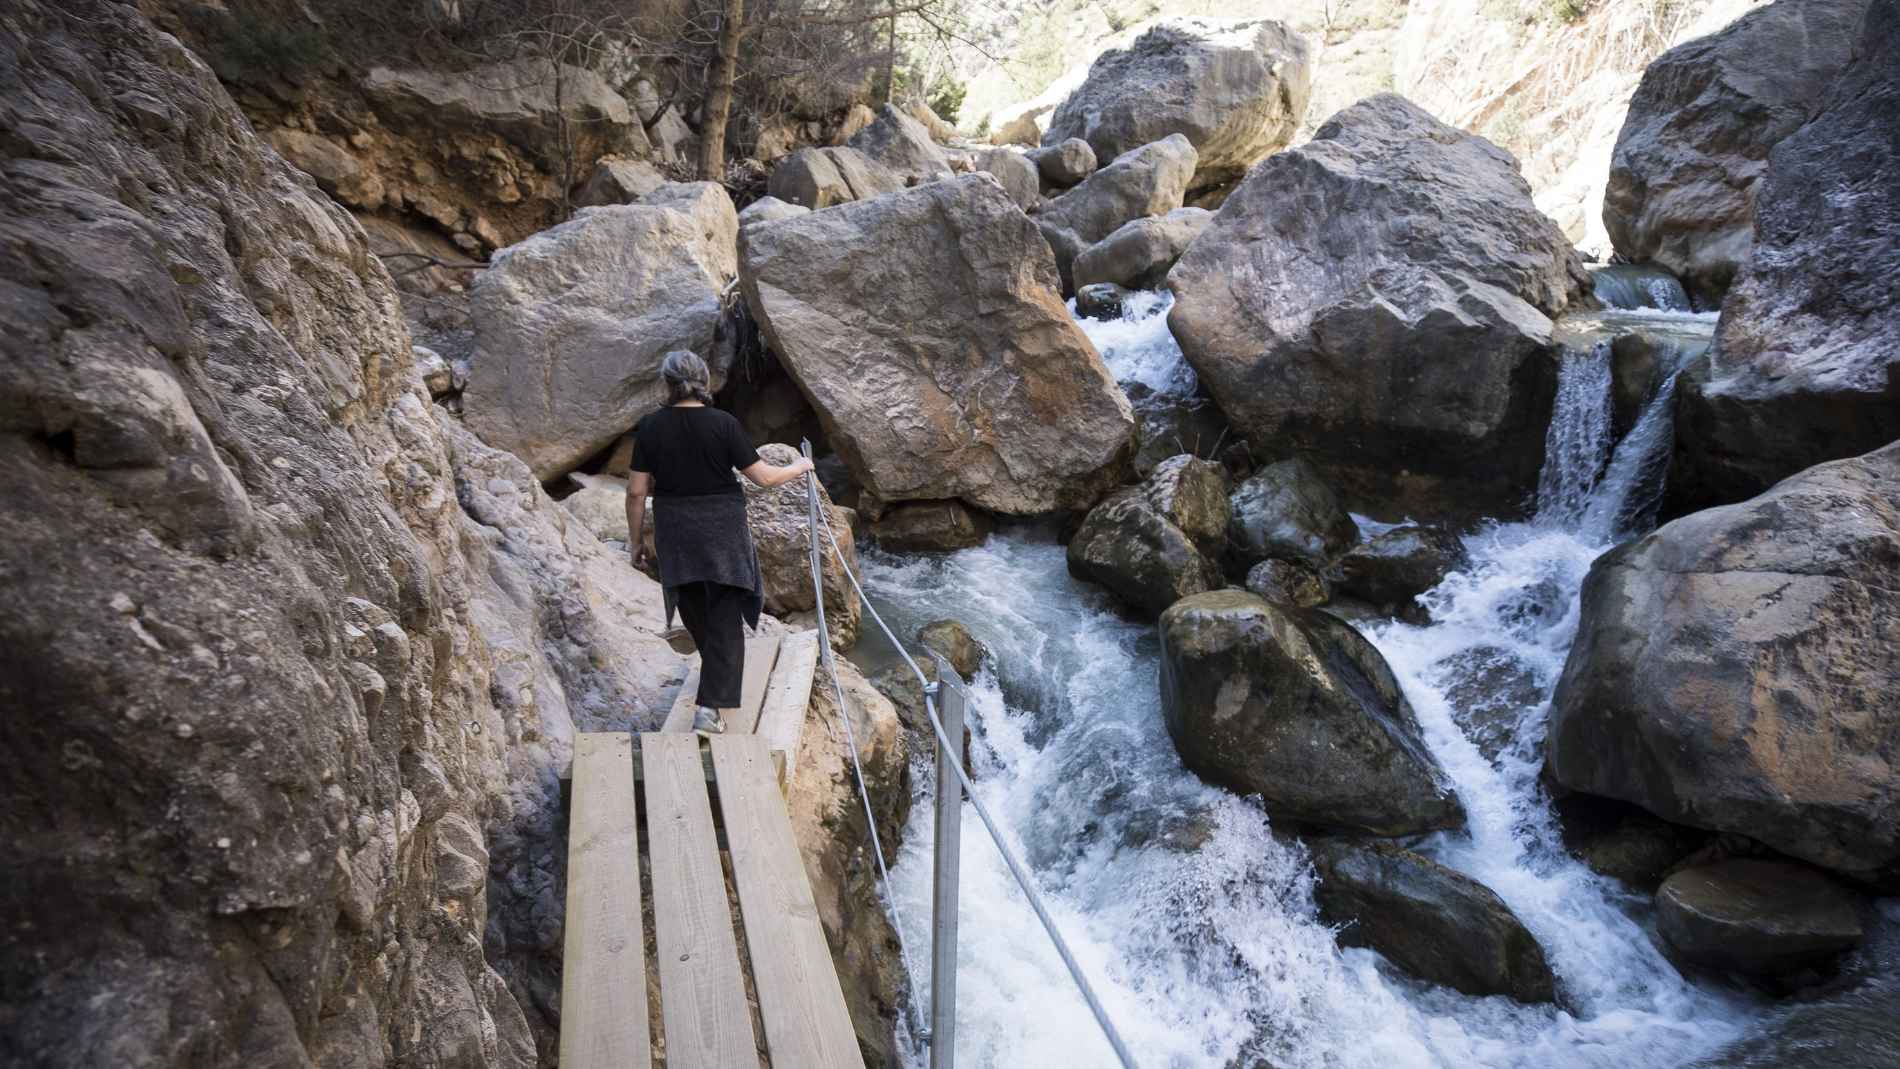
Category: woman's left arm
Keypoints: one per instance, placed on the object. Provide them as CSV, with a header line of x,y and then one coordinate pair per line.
x,y
766,476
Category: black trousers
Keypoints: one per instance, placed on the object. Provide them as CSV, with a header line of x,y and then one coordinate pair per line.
x,y
714,614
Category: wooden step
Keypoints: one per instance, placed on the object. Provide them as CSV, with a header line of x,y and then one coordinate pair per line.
x,y
702,993
806,1023
603,977
782,720
760,654
680,716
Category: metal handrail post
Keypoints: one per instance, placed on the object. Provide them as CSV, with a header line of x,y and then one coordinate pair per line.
x,y
951,703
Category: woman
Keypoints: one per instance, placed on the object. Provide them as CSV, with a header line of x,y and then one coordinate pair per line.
x,y
684,455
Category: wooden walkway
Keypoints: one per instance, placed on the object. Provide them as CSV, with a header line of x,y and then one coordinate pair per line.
x,y
695,801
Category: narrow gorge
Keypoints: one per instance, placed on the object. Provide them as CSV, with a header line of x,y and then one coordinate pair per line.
x,y
1411,489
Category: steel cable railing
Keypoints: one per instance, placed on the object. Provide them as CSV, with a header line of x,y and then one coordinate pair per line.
x,y
949,752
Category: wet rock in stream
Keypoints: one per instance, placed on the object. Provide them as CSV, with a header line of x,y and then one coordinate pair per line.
x,y
1433,922
1299,708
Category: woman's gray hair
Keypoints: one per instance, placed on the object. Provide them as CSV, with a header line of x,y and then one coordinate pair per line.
x,y
686,378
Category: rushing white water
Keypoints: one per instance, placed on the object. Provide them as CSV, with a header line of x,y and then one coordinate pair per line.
x,y
1194,919
1628,286
1138,347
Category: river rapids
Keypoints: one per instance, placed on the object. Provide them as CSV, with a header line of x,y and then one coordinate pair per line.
x,y
1194,918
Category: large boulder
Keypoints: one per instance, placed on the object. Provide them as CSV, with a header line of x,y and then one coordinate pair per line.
x,y
1127,545
1139,253
768,210
1395,566
553,115
600,505
1297,707
1237,89
1380,298
1758,917
1289,583
1434,922
1150,180
672,139
780,520
953,640
1806,366
619,182
952,370
1191,494
821,177
1735,670
903,146
570,325
930,527
1065,162
1017,175
1287,510
1696,140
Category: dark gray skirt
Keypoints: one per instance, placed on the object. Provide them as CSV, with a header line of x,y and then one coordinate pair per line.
x,y
705,539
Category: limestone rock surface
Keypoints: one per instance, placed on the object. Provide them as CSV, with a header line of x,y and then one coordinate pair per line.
x,y
1299,708
1237,89
1695,143
1806,365
1379,300
1732,670
571,325
952,371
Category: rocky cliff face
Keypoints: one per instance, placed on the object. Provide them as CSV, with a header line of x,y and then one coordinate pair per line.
x,y
293,660
1694,147
251,734
483,150
1806,365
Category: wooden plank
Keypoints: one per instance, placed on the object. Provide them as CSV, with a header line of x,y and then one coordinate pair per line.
x,y
680,717
640,774
702,992
806,1023
603,973
761,653
782,719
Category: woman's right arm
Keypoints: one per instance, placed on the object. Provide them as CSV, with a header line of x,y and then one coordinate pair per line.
x,y
639,484
766,476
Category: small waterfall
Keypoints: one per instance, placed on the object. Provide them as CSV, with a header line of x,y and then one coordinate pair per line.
x,y
1139,348
1630,287
1592,484
1632,487
1577,443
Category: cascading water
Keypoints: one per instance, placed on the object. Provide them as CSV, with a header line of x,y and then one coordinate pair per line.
x,y
1194,918
1629,286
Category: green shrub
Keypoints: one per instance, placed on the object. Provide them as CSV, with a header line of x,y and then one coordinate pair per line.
x,y
947,100
255,48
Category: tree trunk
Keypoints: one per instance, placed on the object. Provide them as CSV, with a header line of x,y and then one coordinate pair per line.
x,y
890,56
712,138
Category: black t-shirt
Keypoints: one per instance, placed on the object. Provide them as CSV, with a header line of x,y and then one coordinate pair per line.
x,y
691,451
